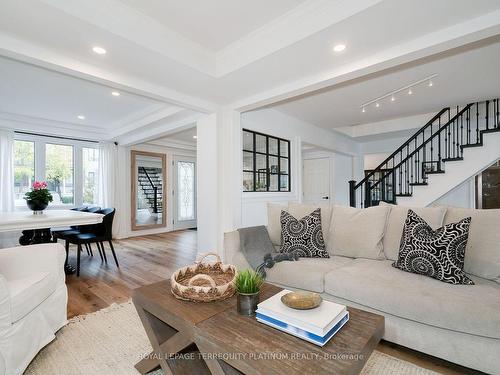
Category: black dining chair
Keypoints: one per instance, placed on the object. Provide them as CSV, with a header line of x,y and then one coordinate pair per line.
x,y
99,234
56,232
62,232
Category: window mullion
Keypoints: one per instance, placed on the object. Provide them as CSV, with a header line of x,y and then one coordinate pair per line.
x,y
78,175
40,161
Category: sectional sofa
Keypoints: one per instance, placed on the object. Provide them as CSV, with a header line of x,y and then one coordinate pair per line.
x,y
459,323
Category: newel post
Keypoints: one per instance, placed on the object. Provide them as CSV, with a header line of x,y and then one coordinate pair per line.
x,y
352,193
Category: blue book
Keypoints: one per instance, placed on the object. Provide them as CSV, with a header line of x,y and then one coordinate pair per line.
x,y
303,334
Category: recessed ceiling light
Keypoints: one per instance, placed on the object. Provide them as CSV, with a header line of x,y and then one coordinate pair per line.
x,y
115,93
339,47
99,50
81,117
195,136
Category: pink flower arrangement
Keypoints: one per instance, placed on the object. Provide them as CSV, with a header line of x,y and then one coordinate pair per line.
x,y
39,193
39,185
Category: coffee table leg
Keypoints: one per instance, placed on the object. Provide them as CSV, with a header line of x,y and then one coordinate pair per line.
x,y
164,340
212,364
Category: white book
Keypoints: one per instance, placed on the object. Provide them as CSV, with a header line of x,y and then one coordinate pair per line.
x,y
317,321
303,326
317,340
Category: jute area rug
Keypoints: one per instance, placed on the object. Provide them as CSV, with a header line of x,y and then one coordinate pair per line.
x,y
112,340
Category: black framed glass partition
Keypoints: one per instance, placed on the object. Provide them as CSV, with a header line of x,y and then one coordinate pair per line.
x,y
266,163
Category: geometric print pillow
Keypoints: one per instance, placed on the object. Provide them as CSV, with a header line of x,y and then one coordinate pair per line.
x,y
436,253
304,236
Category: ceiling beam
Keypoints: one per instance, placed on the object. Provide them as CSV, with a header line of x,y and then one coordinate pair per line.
x,y
452,37
159,129
41,56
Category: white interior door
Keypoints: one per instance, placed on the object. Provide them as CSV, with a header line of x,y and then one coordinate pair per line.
x,y
184,192
316,180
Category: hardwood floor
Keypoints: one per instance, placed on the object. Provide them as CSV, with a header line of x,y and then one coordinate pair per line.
x,y
143,260
147,259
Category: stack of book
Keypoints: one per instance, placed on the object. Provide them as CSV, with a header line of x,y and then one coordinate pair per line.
x,y
316,325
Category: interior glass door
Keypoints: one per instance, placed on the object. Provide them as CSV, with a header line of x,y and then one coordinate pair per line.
x,y
488,187
185,193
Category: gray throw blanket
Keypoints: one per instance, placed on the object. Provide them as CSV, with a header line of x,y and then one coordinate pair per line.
x,y
258,249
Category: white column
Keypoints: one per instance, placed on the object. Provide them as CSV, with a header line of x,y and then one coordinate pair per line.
x,y
219,178
207,183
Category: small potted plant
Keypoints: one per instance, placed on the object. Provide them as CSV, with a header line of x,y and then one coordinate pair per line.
x,y
38,198
248,284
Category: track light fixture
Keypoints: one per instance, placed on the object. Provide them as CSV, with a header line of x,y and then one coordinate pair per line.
x,y
392,94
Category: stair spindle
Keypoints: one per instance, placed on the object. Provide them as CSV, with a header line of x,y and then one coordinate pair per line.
x,y
477,122
487,116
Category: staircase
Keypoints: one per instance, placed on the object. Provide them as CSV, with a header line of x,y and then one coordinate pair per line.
x,y
453,144
150,182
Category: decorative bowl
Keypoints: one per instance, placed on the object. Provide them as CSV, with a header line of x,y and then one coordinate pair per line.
x,y
302,300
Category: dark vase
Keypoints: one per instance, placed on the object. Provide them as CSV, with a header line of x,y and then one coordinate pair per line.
x,y
36,206
247,303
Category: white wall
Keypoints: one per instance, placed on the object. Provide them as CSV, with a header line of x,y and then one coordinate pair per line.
x,y
464,195
272,122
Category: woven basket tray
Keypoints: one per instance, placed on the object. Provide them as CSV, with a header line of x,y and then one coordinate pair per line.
x,y
204,282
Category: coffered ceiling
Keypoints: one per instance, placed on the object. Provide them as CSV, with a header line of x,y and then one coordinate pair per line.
x,y
197,55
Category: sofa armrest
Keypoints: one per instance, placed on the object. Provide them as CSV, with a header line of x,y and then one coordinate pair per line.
x,y
5,316
21,261
231,245
232,252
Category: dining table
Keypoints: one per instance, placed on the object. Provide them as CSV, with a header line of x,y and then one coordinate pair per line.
x,y
36,228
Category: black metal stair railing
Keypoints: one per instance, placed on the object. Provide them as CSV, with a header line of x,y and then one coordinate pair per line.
x,y
151,190
441,140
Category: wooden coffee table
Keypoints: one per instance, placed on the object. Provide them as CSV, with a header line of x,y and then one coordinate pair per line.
x,y
228,343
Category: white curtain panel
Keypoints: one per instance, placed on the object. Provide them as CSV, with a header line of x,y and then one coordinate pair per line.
x,y
107,174
6,170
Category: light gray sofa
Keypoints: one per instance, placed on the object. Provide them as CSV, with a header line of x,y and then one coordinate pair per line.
x,y
459,323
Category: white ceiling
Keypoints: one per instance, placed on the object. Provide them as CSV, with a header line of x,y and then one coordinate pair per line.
x,y
216,23
463,76
27,90
197,55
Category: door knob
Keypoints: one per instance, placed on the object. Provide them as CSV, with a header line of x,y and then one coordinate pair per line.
x,y
325,197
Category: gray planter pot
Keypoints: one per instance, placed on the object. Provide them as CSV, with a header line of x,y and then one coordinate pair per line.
x,y
247,303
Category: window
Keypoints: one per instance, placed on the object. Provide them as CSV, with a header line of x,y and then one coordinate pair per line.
x,y
59,172
24,169
70,168
266,162
90,158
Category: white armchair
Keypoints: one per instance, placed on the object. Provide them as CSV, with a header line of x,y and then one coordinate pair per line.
x,y
33,300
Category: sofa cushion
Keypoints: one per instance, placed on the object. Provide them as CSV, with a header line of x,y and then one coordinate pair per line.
x,y
358,233
432,215
28,292
306,273
304,236
482,256
299,210
438,254
470,309
273,221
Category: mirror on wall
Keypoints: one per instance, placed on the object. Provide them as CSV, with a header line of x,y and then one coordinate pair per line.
x,y
148,174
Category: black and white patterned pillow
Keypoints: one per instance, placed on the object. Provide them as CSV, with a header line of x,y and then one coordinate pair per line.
x,y
436,253
304,236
